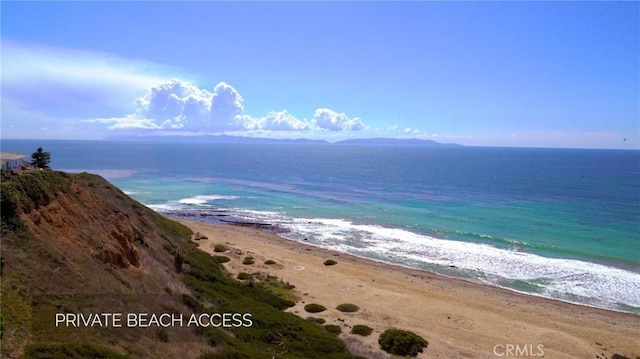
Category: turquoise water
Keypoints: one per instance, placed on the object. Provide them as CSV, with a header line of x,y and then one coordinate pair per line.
x,y
558,223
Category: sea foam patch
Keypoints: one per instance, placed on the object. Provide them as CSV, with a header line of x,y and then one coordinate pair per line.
x,y
204,199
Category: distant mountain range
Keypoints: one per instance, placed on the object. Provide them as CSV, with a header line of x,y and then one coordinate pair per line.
x,y
256,140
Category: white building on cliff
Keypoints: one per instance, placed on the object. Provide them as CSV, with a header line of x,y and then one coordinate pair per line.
x,y
11,161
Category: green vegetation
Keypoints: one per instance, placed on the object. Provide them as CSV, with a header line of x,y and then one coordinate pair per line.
x,y
314,308
401,342
316,320
220,248
269,262
40,158
88,215
221,259
244,276
330,262
361,329
348,308
333,329
248,260
270,325
70,351
24,192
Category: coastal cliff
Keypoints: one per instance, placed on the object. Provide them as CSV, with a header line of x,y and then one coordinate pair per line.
x,y
74,247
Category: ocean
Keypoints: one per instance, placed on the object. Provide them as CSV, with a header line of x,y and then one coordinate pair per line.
x,y
557,223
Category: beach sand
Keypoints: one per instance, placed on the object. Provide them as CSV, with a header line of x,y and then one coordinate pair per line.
x,y
459,319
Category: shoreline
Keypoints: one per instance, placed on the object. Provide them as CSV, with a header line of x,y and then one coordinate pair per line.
x,y
459,317
611,299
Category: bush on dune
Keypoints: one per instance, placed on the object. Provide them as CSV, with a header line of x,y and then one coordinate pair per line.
x,y
401,342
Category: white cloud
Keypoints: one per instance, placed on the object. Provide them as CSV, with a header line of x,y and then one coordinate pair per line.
x,y
96,92
327,119
275,121
174,105
411,131
179,105
226,103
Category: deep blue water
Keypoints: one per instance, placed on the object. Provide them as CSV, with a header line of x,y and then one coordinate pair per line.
x,y
559,223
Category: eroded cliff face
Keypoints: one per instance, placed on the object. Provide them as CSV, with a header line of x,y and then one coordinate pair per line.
x,y
77,217
75,243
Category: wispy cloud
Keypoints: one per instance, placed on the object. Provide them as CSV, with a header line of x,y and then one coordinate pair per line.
x,y
47,74
52,87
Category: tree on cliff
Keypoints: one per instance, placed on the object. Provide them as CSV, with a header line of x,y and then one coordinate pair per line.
x,y
40,158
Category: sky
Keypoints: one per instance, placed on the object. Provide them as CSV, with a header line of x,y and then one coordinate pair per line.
x,y
524,74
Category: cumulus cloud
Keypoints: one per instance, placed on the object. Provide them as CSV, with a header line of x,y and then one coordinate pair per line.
x,y
75,91
274,121
179,105
326,119
226,103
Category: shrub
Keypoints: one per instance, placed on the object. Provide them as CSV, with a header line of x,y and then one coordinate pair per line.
x,y
316,320
220,248
244,276
348,308
361,329
618,356
248,260
288,286
221,259
330,262
314,308
401,342
333,329
269,262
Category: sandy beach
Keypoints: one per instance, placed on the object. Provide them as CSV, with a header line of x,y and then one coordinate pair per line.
x,y
458,318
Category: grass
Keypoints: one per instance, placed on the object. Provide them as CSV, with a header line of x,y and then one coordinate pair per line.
x,y
269,262
70,351
35,261
248,261
244,276
272,329
333,329
316,320
348,308
221,259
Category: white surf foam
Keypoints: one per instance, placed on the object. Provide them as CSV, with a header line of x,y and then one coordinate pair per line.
x,y
567,279
204,199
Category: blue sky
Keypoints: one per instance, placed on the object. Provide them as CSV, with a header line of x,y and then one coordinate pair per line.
x,y
548,74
